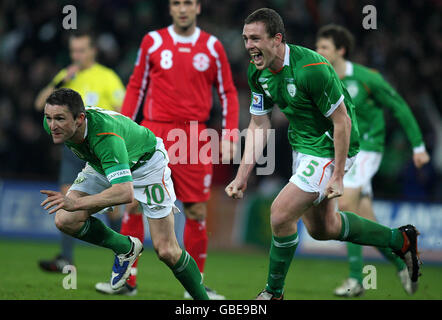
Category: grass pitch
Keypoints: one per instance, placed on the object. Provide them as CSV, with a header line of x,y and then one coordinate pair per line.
x,y
237,275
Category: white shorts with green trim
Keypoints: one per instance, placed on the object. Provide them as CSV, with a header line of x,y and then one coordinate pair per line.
x,y
362,172
311,173
153,186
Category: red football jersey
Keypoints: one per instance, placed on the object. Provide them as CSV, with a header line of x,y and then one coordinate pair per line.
x,y
177,74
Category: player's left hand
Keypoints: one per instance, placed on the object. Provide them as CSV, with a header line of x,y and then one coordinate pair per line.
x,y
335,187
228,151
420,159
58,200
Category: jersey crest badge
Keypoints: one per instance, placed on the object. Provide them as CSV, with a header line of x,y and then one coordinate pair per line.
x,y
201,62
79,180
291,89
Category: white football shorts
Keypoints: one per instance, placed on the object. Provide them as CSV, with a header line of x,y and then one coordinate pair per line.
x,y
362,172
153,186
311,173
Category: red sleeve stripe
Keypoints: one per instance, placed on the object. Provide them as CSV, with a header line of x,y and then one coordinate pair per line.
x,y
106,133
157,42
314,64
211,46
142,88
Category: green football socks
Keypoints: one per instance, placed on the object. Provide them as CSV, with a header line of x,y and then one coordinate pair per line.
x,y
282,250
359,230
96,232
393,258
187,272
355,261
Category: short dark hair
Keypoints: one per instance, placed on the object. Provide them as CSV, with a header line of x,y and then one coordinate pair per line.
x,y
341,37
270,18
69,98
82,33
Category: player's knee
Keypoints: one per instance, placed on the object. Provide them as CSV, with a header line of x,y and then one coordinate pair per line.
x,y
166,252
278,215
69,222
61,221
196,211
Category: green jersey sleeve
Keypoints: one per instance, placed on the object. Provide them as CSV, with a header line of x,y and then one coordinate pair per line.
x,y
384,94
323,86
111,150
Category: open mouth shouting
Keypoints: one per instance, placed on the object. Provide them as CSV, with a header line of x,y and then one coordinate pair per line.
x,y
257,58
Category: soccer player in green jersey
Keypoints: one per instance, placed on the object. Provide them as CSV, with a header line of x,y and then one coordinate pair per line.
x,y
369,92
324,136
125,161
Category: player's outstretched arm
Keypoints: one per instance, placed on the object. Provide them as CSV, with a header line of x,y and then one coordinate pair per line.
x,y
341,138
256,140
119,193
384,94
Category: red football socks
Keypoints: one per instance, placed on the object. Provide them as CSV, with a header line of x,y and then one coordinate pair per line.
x,y
195,241
133,225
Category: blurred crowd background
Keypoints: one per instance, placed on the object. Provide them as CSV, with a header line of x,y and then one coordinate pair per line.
x,y
406,48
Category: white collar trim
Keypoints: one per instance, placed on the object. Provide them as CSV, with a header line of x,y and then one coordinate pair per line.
x,y
287,55
183,39
348,68
85,131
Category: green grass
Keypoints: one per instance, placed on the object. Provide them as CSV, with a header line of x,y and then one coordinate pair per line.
x,y
238,275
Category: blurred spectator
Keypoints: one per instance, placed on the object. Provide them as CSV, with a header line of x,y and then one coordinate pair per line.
x,y
406,48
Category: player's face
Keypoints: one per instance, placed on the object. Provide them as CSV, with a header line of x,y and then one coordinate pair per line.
x,y
184,12
82,53
326,48
261,47
61,122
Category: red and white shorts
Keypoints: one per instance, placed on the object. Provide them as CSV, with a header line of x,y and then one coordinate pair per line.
x,y
192,178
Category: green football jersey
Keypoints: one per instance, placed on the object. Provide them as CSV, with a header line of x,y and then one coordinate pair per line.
x,y
114,145
307,90
370,92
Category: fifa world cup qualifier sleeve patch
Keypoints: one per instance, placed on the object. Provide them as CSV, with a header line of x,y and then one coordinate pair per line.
x,y
257,106
257,102
118,174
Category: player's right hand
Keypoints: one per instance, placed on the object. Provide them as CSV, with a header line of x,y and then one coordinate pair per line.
x,y
56,201
334,188
420,159
235,189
